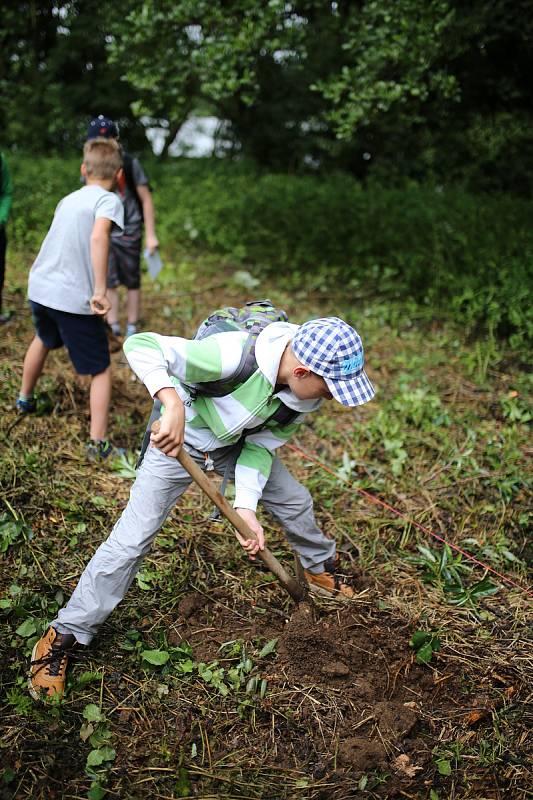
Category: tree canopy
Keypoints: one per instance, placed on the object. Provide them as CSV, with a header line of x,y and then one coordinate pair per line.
x,y
397,88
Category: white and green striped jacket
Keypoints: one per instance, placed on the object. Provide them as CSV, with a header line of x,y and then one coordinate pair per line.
x,y
213,422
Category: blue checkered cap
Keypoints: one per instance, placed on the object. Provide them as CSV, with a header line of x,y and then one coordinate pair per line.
x,y
333,349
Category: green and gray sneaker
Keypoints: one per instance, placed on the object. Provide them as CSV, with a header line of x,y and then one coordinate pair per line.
x,y
103,450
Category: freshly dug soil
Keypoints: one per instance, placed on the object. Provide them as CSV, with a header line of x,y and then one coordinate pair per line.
x,y
366,707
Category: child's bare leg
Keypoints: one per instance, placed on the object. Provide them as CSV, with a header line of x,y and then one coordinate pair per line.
x,y
100,398
133,305
33,366
112,316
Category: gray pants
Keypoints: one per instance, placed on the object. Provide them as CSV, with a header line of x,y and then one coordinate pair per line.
x,y
160,481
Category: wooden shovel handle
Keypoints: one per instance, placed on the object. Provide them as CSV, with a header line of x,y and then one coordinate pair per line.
x,y
294,589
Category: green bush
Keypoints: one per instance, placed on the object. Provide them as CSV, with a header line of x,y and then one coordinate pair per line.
x,y
467,255
38,186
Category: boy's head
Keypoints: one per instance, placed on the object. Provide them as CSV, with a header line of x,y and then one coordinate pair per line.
x,y
328,361
102,159
102,128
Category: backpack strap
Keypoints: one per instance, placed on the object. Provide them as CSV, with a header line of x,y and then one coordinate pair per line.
x,y
127,164
156,413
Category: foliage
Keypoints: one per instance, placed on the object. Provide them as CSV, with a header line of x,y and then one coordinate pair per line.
x,y
216,718
472,254
55,75
11,531
100,758
124,465
446,570
394,54
411,88
441,567
468,596
424,644
463,255
401,85
240,676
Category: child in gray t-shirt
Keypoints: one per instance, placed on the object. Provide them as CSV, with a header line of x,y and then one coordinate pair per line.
x,y
67,288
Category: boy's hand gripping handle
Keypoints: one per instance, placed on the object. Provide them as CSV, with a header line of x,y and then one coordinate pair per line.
x,y
295,589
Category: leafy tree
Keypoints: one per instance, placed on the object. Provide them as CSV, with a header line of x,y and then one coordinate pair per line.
x,y
54,74
200,52
386,88
393,58
410,87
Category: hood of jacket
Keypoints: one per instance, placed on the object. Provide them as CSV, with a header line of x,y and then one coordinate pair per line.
x,y
269,348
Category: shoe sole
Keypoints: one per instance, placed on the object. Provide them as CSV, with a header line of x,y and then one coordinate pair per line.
x,y
31,689
321,592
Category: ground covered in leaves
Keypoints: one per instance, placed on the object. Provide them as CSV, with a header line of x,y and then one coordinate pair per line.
x,y
207,682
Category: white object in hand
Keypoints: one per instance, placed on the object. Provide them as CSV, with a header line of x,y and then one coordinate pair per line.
x,y
153,262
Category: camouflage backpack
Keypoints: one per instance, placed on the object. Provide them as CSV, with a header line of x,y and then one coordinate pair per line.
x,y
253,317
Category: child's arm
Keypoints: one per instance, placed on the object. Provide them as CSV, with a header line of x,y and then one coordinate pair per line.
x,y
157,359
149,216
252,472
171,434
99,255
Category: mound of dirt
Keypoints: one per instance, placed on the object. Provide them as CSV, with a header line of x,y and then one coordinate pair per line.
x,y
366,704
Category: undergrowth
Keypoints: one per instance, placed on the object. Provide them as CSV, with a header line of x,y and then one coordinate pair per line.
x,y
457,255
199,684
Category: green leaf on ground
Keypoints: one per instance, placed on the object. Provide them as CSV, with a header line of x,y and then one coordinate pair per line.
x,y
182,787
96,792
155,657
27,628
268,648
444,767
92,713
424,653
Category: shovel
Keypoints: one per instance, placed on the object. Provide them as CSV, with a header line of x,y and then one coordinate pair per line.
x,y
296,589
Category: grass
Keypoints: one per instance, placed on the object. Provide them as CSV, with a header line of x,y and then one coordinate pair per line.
x,y
205,683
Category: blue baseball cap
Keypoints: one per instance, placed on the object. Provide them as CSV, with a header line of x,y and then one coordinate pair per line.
x,y
333,349
102,126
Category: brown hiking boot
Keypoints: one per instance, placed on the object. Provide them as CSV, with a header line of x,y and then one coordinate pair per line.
x,y
49,662
329,583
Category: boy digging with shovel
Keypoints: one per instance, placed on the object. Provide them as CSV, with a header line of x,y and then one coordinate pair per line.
x,y
297,367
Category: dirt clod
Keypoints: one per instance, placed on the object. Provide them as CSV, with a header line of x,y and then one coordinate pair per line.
x,y
336,670
191,603
395,719
361,754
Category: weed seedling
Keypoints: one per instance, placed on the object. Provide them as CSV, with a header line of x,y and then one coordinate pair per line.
x,y
424,644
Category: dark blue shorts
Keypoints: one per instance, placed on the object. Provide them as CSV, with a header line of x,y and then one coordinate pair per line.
x,y
83,335
124,268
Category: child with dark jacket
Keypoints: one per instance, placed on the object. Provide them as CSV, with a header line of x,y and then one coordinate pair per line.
x,y
125,252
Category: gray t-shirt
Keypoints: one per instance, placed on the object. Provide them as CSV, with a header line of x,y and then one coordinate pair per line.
x,y
62,274
133,220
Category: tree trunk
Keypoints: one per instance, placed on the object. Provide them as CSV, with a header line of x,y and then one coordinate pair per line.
x,y
173,132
